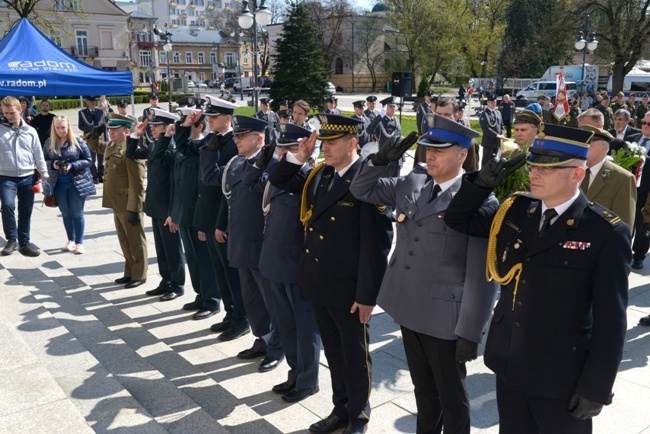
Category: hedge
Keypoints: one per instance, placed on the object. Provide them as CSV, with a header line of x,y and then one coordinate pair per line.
x,y
140,97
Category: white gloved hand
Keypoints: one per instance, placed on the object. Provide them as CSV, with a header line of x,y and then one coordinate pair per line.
x,y
382,112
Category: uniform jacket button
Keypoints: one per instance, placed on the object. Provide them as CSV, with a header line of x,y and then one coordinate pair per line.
x,y
517,325
416,238
306,250
321,237
408,267
333,218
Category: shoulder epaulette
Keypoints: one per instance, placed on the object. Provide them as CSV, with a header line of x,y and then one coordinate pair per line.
x,y
606,214
525,194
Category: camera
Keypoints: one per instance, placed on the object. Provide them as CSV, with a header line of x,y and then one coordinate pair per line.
x,y
63,167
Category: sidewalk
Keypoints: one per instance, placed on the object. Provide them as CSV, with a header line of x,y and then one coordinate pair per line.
x,y
80,354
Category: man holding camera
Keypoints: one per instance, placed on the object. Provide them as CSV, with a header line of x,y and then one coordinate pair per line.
x,y
93,124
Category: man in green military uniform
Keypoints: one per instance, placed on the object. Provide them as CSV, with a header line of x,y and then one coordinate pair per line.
x,y
608,114
574,112
641,110
124,194
619,103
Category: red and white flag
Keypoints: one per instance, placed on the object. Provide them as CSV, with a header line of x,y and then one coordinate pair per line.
x,y
561,108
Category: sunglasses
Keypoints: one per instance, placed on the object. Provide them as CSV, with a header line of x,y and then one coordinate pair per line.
x,y
645,123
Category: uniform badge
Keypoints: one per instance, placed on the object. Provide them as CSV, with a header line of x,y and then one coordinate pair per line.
x,y
381,208
322,119
605,174
283,128
518,244
401,218
235,122
570,222
431,120
532,210
576,245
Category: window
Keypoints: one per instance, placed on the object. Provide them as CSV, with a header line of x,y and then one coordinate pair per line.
x,y
202,75
145,58
230,60
55,37
247,56
213,57
177,57
200,57
82,42
106,39
59,5
188,57
338,66
163,57
77,5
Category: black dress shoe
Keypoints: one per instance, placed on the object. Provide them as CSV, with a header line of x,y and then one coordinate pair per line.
x,y
234,332
122,280
205,313
645,321
10,247
171,296
637,264
250,353
330,424
195,305
355,429
295,394
29,249
269,363
135,283
158,291
284,387
221,326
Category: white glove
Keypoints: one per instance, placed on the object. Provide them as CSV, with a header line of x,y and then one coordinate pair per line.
x,y
382,112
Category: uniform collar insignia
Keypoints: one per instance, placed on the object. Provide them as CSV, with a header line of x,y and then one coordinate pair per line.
x,y
605,174
570,222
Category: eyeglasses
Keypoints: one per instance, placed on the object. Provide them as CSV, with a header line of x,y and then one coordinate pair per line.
x,y
645,123
545,170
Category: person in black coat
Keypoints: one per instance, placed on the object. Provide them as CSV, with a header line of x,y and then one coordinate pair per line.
x,y
557,334
157,203
492,127
342,263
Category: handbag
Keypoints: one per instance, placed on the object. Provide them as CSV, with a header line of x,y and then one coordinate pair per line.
x,y
50,201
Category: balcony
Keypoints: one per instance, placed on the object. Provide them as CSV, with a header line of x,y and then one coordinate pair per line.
x,y
84,52
173,4
146,44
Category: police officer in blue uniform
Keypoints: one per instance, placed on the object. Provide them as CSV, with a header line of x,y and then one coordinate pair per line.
x,y
342,263
266,114
331,102
364,137
386,124
370,112
557,334
442,325
157,202
279,262
246,225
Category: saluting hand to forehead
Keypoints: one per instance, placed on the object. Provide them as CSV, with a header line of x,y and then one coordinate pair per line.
x,y
306,147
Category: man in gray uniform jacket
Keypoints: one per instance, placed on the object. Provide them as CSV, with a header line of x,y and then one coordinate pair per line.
x,y
435,285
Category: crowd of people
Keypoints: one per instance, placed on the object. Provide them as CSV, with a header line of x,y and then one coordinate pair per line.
x,y
284,224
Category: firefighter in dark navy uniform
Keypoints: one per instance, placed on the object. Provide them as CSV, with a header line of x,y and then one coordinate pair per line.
x,y
557,334
342,263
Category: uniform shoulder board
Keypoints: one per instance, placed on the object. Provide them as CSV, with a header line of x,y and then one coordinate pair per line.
x,y
381,208
525,194
420,168
606,214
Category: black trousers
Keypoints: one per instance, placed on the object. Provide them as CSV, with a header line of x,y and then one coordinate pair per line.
x,y
488,153
97,165
202,274
508,128
227,281
439,383
523,413
641,243
170,256
346,342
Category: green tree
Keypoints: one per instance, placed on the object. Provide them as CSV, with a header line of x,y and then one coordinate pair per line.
x,y
623,27
298,70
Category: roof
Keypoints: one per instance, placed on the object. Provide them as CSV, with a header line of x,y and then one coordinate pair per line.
x,y
137,14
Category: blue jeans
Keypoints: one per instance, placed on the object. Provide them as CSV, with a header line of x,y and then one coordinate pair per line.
x,y
10,187
72,209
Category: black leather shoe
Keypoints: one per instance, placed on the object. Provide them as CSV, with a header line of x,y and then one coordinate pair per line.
x,y
234,332
205,313
158,291
135,283
355,429
330,424
295,394
171,296
637,264
645,321
221,326
195,305
269,363
10,247
250,353
284,387
122,280
29,249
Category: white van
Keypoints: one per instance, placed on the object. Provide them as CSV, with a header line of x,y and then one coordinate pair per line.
x,y
633,83
548,88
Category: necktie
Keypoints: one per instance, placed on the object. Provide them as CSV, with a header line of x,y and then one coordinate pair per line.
x,y
548,216
335,179
584,186
644,142
435,192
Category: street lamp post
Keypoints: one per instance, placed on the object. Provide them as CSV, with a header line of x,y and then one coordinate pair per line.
x,y
582,45
168,48
262,16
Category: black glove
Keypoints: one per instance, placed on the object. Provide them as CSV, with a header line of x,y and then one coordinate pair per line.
x,y
265,156
646,230
134,218
582,408
394,151
496,171
94,134
466,351
219,140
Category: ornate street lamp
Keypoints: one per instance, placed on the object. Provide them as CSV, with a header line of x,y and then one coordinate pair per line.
x,y
261,16
582,45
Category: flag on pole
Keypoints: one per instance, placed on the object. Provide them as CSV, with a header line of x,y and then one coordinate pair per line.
x,y
561,108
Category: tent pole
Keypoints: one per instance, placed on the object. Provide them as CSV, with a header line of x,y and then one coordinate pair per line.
x,y
132,105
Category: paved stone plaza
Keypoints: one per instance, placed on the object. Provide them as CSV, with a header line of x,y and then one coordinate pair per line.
x,y
79,353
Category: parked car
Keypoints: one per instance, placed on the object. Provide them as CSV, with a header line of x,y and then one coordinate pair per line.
x,y
330,87
201,84
230,81
215,84
190,83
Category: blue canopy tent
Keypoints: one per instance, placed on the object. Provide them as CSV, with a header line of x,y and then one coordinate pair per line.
x,y
32,65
